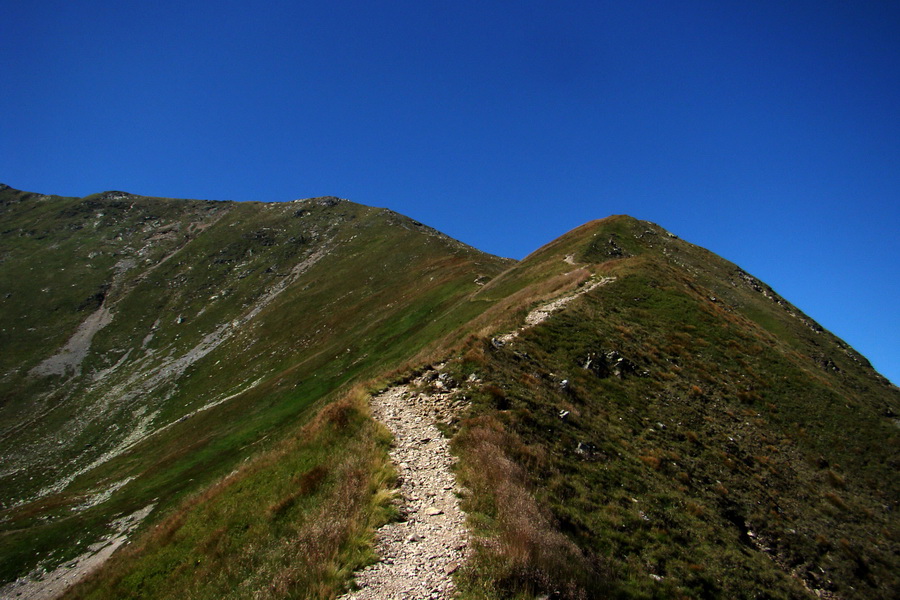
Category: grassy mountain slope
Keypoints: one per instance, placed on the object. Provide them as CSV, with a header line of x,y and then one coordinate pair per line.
x,y
679,431
149,345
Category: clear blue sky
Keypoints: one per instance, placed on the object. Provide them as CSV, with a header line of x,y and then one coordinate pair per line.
x,y
768,132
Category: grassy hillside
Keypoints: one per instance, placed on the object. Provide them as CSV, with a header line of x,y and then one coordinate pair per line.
x,y
679,431
216,330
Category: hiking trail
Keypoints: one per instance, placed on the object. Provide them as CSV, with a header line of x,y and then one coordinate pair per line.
x,y
418,554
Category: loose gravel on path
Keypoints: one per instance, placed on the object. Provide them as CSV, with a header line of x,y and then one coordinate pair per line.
x,y
543,312
420,553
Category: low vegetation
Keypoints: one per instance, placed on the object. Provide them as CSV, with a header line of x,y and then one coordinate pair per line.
x,y
232,324
656,440
679,432
291,522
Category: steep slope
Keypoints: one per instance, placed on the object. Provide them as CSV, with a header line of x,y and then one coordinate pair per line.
x,y
679,431
148,344
639,417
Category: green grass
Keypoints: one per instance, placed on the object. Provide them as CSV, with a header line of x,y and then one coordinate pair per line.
x,y
735,413
660,479
316,498
381,292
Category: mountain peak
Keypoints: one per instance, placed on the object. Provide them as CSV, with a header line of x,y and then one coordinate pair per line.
x,y
632,415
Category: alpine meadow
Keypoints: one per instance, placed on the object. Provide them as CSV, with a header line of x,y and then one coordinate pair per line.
x,y
321,399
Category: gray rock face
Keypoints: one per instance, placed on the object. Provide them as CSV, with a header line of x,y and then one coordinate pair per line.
x,y
611,363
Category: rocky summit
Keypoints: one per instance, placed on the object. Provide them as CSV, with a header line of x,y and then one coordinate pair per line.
x,y
320,399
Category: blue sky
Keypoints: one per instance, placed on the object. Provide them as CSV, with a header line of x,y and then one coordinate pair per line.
x,y
768,132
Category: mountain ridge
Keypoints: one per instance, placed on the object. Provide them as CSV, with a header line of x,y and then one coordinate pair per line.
x,y
249,321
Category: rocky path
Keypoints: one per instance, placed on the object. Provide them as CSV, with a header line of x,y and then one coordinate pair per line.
x,y
420,553
543,312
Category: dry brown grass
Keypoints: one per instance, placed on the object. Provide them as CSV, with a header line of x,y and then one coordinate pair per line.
x,y
835,500
695,508
526,552
502,314
317,543
651,461
835,479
